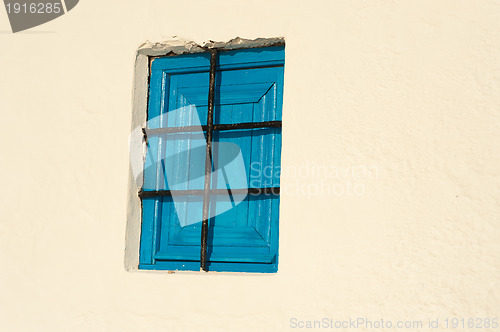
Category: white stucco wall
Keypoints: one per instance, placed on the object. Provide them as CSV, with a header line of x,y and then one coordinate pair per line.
x,y
409,89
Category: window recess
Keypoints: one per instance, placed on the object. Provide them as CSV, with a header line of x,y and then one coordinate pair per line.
x,y
210,198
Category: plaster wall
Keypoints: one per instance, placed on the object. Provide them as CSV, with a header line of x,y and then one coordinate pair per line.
x,y
407,90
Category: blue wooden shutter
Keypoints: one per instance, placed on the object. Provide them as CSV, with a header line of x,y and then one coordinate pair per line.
x,y
243,230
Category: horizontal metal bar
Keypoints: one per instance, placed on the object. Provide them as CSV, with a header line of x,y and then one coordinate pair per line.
x,y
200,192
258,191
248,125
218,127
171,130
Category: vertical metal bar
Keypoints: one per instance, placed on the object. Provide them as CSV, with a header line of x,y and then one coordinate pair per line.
x,y
208,160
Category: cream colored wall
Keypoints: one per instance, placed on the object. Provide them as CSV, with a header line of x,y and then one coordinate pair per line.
x,y
408,88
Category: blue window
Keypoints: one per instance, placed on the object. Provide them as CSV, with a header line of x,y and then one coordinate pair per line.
x,y
227,105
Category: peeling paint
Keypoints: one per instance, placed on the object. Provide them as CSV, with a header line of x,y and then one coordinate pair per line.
x,y
181,46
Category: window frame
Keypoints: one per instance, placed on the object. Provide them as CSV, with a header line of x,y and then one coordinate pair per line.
x,y
272,56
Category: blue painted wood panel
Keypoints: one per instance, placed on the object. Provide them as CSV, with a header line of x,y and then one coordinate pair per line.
x,y
243,230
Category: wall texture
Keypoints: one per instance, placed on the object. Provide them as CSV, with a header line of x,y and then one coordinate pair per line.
x,y
408,90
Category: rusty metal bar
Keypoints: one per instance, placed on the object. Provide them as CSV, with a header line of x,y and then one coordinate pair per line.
x,y
216,127
248,125
208,160
199,192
